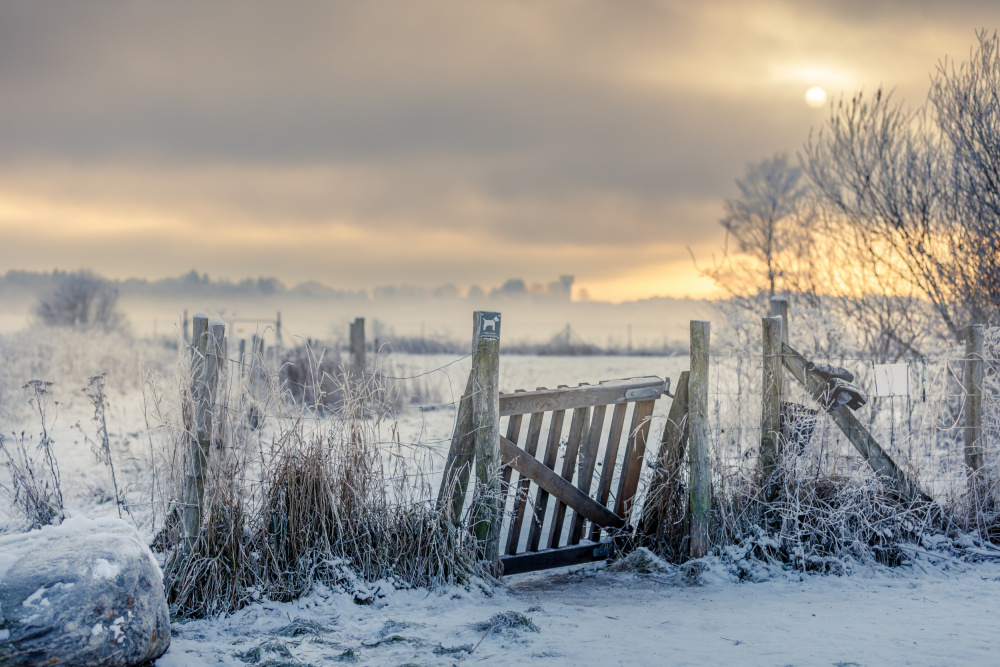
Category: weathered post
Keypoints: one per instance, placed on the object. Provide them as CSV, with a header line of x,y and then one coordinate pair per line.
x,y
243,351
185,325
457,467
975,445
277,334
700,502
779,308
486,426
199,325
770,417
212,342
357,335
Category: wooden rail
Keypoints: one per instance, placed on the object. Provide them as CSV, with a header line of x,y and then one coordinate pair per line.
x,y
609,392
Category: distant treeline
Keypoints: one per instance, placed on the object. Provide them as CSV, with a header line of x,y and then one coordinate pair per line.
x,y
416,345
201,284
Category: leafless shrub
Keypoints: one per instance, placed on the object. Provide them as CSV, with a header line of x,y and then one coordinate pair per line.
x,y
82,299
315,375
34,490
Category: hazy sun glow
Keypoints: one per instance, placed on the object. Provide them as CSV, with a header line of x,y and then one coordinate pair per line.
x,y
815,97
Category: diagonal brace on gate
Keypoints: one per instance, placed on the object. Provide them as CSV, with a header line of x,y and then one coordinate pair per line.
x,y
532,468
863,441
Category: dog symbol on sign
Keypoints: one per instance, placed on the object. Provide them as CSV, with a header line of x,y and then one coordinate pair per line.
x,y
489,326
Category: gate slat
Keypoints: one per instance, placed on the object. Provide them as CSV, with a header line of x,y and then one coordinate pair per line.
x,y
513,433
523,484
542,497
610,458
588,461
580,417
635,452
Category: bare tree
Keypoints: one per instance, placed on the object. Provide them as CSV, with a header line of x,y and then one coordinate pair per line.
x,y
81,299
966,105
767,219
916,194
769,226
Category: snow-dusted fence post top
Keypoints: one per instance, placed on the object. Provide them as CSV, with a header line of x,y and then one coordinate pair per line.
x,y
209,354
701,472
975,444
485,380
779,308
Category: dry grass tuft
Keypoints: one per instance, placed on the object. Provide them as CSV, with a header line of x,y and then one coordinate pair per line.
x,y
307,497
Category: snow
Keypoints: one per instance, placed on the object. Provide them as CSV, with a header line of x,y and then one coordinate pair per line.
x,y
102,569
918,615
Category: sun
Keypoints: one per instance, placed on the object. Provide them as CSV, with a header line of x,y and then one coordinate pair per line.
x,y
815,97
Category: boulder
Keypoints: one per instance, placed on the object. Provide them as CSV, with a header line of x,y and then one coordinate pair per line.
x,y
86,592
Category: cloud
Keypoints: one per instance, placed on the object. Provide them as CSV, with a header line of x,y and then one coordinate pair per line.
x,y
520,125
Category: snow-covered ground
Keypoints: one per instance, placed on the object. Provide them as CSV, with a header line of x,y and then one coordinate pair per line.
x,y
933,613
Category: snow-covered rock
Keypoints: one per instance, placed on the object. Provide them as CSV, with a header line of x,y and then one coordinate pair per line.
x,y
87,592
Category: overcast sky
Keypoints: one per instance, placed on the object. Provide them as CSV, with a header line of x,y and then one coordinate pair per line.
x,y
370,143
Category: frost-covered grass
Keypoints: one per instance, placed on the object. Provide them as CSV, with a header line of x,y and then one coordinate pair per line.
x,y
325,517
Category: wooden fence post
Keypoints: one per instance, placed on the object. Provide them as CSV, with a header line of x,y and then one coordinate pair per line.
x,y
700,502
243,351
211,342
770,407
185,325
975,446
455,480
358,345
277,334
199,325
486,425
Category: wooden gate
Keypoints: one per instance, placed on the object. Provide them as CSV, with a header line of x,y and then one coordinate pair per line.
x,y
537,533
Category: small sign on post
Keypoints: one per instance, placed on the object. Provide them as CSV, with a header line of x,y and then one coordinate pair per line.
x,y
892,380
489,325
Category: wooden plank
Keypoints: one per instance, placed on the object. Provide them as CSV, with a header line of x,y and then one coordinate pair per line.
x,y
588,461
542,496
561,557
610,459
608,392
513,434
867,446
700,490
553,483
635,453
523,484
663,490
580,417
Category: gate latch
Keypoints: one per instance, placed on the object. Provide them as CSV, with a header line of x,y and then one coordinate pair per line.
x,y
648,392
